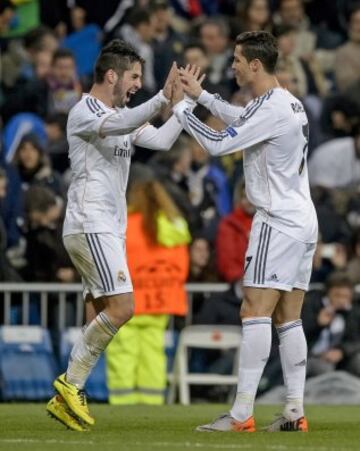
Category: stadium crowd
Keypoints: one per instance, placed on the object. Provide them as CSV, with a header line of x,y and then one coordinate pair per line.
x,y
48,50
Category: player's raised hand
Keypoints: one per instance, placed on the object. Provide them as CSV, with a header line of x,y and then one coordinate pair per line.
x,y
169,82
177,92
191,79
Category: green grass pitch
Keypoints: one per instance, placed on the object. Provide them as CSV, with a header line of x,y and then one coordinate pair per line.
x,y
140,428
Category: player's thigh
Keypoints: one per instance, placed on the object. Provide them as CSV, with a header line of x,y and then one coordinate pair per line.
x,y
289,307
272,259
259,302
101,261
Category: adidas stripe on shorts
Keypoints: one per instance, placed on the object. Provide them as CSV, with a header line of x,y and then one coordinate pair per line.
x,y
275,260
100,259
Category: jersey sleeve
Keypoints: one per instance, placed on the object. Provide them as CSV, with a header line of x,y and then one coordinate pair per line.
x,y
251,128
219,107
94,119
161,138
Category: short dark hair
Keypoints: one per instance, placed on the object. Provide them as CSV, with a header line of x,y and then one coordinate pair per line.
x,y
259,45
39,198
282,30
194,45
138,16
117,55
34,38
62,53
339,279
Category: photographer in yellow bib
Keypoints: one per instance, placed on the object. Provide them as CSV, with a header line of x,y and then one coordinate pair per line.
x,y
158,258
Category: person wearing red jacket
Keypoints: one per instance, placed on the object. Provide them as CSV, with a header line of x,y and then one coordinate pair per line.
x,y
232,237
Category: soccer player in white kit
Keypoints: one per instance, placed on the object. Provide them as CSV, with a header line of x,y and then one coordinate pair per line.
x,y
272,132
101,132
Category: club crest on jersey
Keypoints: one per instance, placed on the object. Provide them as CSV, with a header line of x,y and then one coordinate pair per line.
x,y
124,152
121,276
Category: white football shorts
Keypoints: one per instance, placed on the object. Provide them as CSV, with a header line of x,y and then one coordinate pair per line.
x,y
100,259
275,260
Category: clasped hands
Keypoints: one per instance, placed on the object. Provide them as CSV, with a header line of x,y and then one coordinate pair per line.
x,y
183,80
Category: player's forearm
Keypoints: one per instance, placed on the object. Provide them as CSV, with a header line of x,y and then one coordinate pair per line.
x,y
161,138
123,122
219,107
214,142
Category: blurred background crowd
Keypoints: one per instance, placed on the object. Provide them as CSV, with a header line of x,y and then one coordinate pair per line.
x,y
48,50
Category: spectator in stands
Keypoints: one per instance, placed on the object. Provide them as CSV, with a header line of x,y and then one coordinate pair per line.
x,y
347,59
7,273
139,31
254,15
233,236
46,257
336,163
64,89
84,41
19,60
172,169
34,166
331,325
202,261
57,146
340,114
306,73
167,44
156,245
7,10
328,257
195,54
209,189
57,93
214,36
292,13
353,267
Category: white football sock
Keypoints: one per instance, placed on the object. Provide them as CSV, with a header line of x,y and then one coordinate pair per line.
x,y
254,353
87,349
293,355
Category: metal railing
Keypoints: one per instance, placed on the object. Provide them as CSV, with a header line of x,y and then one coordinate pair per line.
x,y
60,296
41,295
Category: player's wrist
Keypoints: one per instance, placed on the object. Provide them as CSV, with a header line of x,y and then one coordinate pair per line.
x,y
163,97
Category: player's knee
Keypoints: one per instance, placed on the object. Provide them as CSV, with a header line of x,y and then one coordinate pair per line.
x,y
121,310
252,309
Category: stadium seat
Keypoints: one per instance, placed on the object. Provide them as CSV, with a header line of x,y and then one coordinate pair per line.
x,y
96,386
206,337
27,364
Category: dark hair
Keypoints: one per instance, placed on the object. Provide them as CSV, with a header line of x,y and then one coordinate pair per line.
x,y
158,5
34,38
60,119
282,29
62,53
259,45
194,45
117,55
39,198
138,16
353,9
33,139
218,22
6,4
339,279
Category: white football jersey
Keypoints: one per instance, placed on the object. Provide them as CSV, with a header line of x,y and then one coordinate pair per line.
x,y
272,130
100,147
